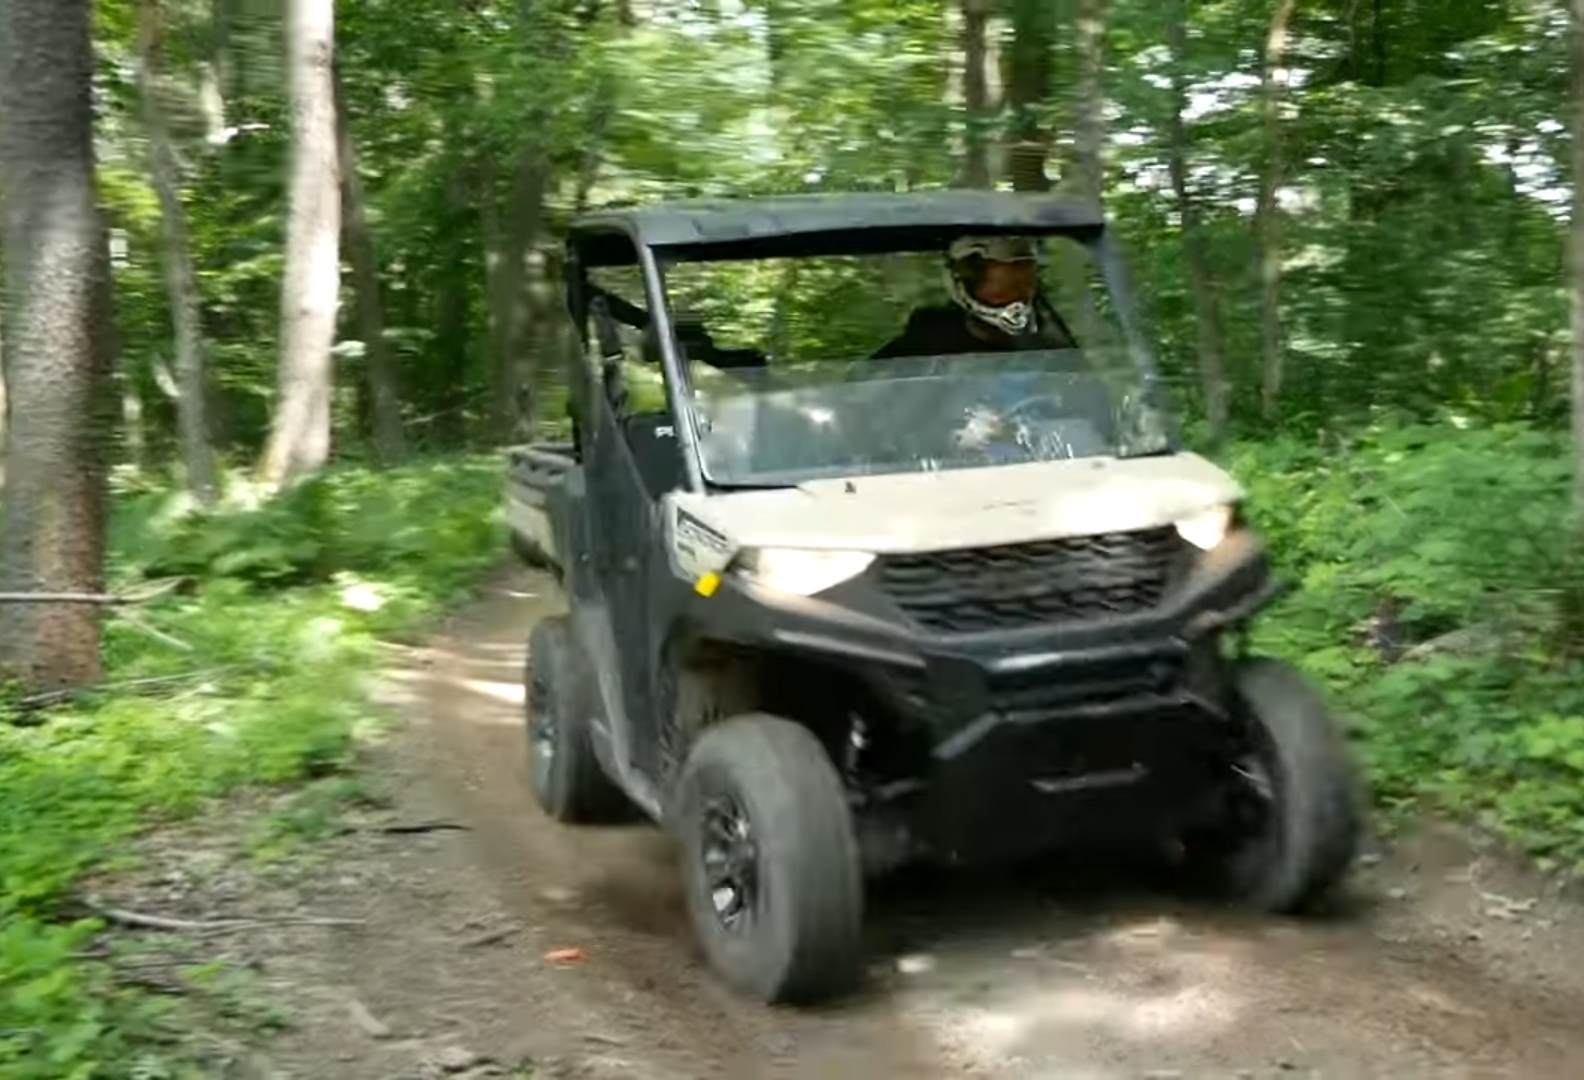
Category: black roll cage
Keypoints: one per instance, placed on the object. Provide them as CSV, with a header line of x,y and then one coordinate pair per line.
x,y
657,237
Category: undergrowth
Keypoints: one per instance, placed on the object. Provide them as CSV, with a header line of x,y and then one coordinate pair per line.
x,y
248,669
1438,598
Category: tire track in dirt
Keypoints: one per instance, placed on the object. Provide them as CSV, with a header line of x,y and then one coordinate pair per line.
x,y
613,893
1000,977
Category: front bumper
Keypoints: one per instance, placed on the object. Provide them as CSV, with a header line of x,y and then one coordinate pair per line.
x,y
854,626
1083,713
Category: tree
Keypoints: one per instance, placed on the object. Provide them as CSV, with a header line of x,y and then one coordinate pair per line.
x,y
1033,37
299,440
1089,122
379,368
181,284
57,345
977,100
4,414
1207,314
1576,246
1272,82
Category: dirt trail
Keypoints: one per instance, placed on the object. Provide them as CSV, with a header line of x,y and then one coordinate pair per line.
x,y
1451,963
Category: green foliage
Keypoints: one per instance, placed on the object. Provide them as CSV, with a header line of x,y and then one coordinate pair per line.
x,y
256,676
1435,573
1422,252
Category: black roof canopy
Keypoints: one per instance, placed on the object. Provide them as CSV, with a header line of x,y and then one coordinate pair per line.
x,y
824,224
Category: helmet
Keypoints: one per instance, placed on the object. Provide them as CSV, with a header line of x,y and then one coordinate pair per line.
x,y
965,265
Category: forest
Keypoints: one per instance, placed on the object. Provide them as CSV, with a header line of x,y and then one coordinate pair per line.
x,y
280,282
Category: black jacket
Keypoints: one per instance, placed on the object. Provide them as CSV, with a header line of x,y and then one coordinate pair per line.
x,y
943,330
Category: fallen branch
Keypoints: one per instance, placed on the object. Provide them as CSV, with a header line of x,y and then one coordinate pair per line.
x,y
490,937
159,588
372,1026
150,682
153,631
421,827
61,598
141,921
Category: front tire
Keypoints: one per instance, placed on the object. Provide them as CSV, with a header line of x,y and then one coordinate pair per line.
x,y
770,861
1292,824
565,775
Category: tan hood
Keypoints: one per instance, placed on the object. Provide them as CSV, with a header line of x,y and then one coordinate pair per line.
x,y
926,511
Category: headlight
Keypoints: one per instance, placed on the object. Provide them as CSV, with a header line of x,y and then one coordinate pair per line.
x,y
1207,528
802,571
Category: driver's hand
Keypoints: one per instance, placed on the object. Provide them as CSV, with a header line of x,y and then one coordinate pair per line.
x,y
983,425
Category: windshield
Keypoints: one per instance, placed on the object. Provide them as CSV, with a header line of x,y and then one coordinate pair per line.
x,y
829,367
913,414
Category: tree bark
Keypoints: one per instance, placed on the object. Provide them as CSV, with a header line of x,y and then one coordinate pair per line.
x,y
1033,38
451,322
181,283
1084,178
1576,246
1268,214
514,365
497,285
299,441
222,25
4,415
510,291
57,347
1207,316
379,368
977,106
1089,116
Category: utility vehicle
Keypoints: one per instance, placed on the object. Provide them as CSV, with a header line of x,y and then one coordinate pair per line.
x,y
816,633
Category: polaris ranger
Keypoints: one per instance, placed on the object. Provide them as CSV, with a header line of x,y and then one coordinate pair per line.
x,y
960,597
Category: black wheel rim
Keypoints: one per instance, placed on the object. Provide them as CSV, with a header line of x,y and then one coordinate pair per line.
x,y
543,725
1254,804
729,864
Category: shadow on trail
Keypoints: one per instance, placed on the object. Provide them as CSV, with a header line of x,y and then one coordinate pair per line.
x,y
1083,963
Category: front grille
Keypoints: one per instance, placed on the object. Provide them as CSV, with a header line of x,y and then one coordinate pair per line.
x,y
1036,696
1052,581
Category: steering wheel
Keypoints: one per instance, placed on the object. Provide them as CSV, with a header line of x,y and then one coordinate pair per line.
x,y
1023,405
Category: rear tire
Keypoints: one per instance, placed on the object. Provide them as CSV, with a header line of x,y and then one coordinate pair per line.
x,y
524,550
770,861
565,775
1295,853
532,557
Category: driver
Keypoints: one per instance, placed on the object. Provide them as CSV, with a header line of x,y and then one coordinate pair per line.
x,y
994,286
996,306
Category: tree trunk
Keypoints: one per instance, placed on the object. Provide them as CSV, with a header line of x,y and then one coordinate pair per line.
x,y
976,93
1033,38
1268,214
1084,179
58,344
222,25
497,286
1089,116
4,416
1576,247
1207,316
379,369
514,365
601,111
451,323
299,441
134,437
181,284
